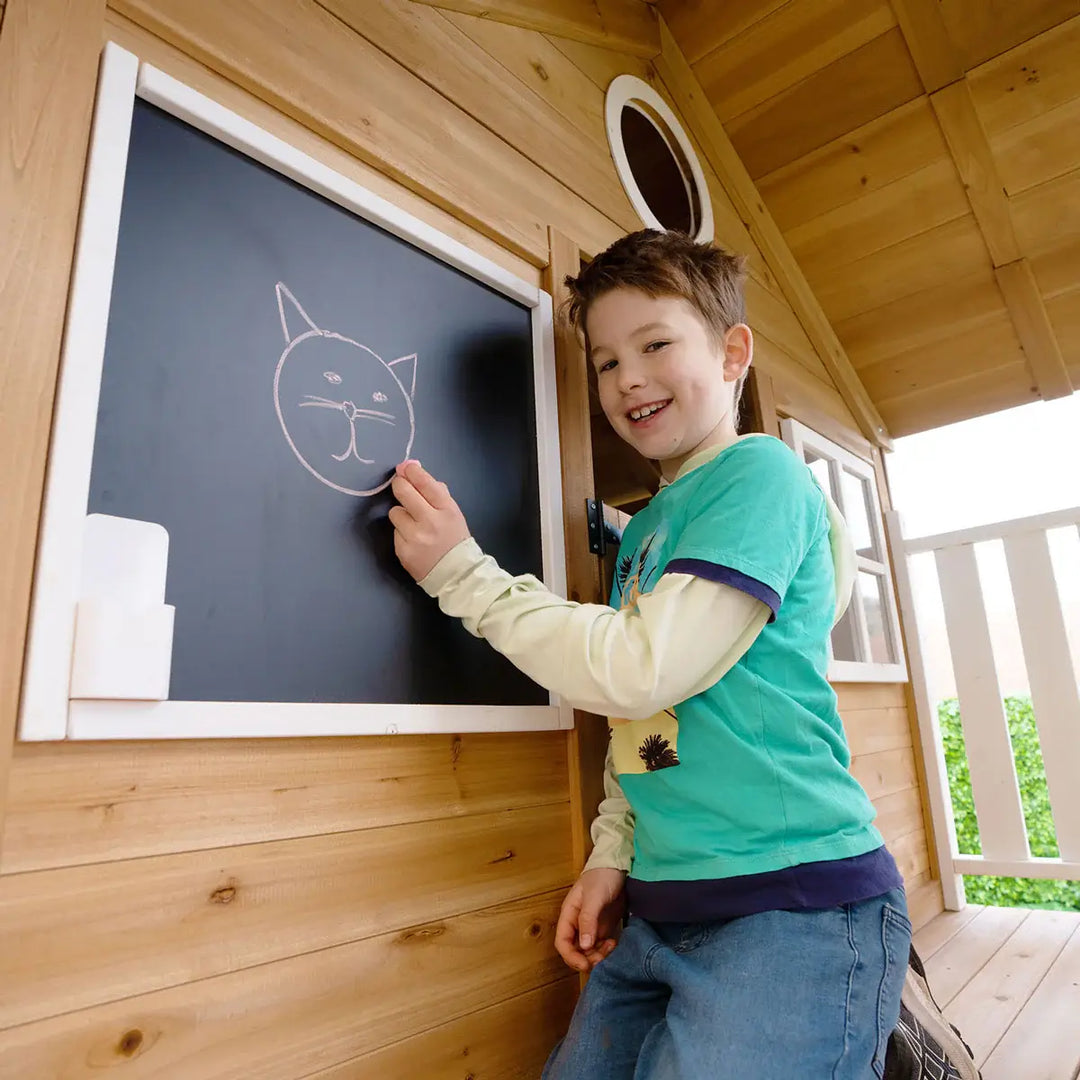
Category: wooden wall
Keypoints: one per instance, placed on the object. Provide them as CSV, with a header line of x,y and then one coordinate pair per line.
x,y
334,908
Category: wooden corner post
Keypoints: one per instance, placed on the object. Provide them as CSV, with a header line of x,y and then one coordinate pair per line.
x,y
588,739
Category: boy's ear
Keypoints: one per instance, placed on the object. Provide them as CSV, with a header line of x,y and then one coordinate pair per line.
x,y
738,351
294,319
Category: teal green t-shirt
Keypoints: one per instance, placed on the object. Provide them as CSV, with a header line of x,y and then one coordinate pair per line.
x,y
750,775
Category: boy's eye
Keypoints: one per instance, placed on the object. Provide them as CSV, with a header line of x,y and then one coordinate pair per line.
x,y
656,346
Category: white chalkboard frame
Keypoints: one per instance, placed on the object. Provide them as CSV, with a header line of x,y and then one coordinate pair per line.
x,y
47,711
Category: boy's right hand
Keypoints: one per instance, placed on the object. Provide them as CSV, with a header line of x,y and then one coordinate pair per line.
x,y
591,914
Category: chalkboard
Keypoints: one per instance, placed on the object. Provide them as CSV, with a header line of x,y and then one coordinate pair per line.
x,y
269,357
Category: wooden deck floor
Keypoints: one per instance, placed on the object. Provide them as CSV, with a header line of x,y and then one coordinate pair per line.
x,y
1009,979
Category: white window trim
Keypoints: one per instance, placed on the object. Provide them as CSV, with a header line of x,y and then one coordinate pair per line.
x,y
48,710
627,90
801,439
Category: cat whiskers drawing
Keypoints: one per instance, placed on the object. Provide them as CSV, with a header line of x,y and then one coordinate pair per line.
x,y
362,376
352,414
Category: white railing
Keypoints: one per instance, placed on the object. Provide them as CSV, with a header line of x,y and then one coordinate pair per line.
x,y
1055,697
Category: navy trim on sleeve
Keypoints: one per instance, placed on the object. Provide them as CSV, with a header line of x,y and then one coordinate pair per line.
x,y
724,575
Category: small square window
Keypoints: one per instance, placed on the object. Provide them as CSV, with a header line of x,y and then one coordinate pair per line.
x,y
866,642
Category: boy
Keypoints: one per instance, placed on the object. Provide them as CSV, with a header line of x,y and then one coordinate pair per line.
x,y
769,933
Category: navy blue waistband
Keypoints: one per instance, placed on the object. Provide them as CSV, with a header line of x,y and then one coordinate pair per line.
x,y
811,885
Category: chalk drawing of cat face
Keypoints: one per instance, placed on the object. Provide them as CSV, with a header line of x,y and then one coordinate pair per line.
x,y
345,412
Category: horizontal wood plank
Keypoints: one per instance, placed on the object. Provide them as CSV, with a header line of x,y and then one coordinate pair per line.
x,y
870,731
968,353
699,26
442,55
954,965
1048,216
924,261
72,804
919,320
623,25
948,403
1041,1044
822,107
508,1041
983,30
1028,81
925,900
885,772
798,40
985,1008
869,696
287,1019
943,929
304,61
923,200
867,159
81,936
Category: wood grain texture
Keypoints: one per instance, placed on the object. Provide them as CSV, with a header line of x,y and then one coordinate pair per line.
x,y
824,106
1028,312
307,63
508,1041
440,54
623,25
685,89
699,26
48,65
81,936
934,52
974,159
796,41
587,743
983,29
888,149
929,197
73,804
290,1018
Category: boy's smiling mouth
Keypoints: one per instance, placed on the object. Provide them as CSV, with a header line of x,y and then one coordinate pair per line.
x,y
640,414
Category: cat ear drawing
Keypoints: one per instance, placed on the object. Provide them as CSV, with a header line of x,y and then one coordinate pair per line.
x,y
294,319
404,367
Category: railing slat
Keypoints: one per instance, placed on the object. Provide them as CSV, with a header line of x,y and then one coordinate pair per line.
x,y
937,776
1054,694
982,711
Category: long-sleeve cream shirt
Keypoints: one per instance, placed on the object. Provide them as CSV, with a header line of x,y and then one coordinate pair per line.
x,y
676,641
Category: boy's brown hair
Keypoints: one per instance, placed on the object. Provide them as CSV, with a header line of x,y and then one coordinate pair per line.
x,y
665,264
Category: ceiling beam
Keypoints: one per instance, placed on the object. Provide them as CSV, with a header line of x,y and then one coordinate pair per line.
x,y
694,107
936,57
938,62
628,26
1025,304
970,149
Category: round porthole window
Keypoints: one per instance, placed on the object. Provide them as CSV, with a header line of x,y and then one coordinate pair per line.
x,y
655,161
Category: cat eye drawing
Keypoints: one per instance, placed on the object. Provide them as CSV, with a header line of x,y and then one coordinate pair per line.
x,y
346,413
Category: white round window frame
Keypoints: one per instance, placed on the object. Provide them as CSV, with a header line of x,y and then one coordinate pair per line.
x,y
626,90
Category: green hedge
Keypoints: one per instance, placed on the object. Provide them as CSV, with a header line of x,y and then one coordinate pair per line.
x,y
1007,892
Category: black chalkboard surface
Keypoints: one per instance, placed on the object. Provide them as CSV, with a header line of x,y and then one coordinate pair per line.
x,y
270,357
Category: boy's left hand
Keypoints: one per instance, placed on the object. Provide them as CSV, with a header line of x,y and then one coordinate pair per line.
x,y
428,523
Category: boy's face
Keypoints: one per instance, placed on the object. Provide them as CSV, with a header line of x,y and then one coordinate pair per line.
x,y
666,385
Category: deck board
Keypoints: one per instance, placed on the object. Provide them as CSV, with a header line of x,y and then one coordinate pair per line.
x,y
1009,979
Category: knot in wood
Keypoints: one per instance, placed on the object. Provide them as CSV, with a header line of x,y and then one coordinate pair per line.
x,y
130,1042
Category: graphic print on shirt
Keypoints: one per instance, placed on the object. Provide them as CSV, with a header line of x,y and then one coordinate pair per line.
x,y
651,744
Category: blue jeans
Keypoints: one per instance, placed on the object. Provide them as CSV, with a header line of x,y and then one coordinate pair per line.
x,y
781,995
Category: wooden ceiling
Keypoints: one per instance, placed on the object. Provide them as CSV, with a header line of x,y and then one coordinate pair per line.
x,y
922,159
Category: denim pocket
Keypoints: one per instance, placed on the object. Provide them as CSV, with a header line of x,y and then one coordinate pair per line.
x,y
896,943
